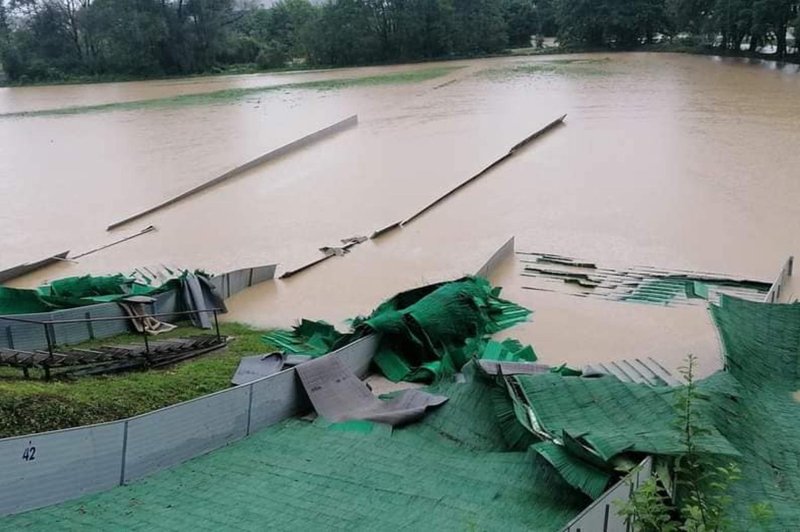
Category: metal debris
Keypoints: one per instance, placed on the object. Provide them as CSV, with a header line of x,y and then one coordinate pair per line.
x,y
527,140
640,284
274,154
28,267
148,229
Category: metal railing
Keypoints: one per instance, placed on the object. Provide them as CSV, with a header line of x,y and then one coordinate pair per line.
x,y
50,336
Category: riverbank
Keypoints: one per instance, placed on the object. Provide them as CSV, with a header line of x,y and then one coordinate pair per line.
x,y
253,69
33,405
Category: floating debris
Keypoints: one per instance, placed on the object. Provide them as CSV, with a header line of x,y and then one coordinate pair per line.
x,y
28,267
514,149
274,154
148,229
582,278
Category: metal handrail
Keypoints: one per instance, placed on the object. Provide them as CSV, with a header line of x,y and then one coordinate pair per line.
x,y
48,324
112,318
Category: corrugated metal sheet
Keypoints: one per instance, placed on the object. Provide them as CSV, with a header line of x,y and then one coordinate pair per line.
x,y
231,283
44,469
276,398
172,435
28,336
70,333
358,355
107,329
645,370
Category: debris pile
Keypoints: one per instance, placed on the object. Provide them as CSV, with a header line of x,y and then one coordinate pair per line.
x,y
426,332
549,272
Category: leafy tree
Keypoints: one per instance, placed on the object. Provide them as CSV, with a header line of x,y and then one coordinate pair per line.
x,y
479,27
521,21
615,23
343,34
59,39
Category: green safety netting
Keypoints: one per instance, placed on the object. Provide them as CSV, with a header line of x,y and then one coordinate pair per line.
x,y
758,407
587,428
581,474
450,471
426,332
611,417
71,292
310,337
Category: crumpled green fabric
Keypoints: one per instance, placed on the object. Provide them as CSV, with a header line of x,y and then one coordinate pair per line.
x,y
71,292
426,332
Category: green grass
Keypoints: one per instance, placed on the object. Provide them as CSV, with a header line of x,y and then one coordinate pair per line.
x,y
559,67
231,95
35,405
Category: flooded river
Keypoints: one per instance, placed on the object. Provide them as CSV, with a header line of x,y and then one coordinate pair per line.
x,y
664,160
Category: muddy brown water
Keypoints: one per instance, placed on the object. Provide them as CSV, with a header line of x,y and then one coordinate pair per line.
x,y
665,160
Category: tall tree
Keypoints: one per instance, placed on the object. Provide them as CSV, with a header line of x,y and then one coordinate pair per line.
x,y
521,21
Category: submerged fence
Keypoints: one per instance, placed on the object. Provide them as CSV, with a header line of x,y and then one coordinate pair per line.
x,y
42,469
774,294
497,257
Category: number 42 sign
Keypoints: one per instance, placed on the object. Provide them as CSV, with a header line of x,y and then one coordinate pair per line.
x,y
29,454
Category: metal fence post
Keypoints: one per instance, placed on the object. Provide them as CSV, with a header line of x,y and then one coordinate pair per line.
x,y
10,337
216,325
49,349
146,343
89,327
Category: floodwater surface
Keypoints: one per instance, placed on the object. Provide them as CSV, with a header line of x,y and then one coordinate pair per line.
x,y
672,161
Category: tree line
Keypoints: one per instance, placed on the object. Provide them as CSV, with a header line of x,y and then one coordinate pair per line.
x,y
43,40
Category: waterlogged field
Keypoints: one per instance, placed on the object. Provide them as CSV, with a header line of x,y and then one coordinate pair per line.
x,y
665,160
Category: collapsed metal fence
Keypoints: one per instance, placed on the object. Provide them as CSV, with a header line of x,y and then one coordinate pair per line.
x,y
48,468
15,334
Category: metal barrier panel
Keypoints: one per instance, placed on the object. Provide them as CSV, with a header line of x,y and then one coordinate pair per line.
x,y
43,469
358,355
282,395
236,281
69,333
496,258
231,283
602,515
172,435
25,336
166,303
774,293
29,336
106,329
276,398
263,273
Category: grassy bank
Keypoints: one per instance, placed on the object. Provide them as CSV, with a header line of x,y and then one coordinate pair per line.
x,y
34,405
230,95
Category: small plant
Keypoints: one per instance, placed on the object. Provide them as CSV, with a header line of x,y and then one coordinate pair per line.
x,y
647,509
702,486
